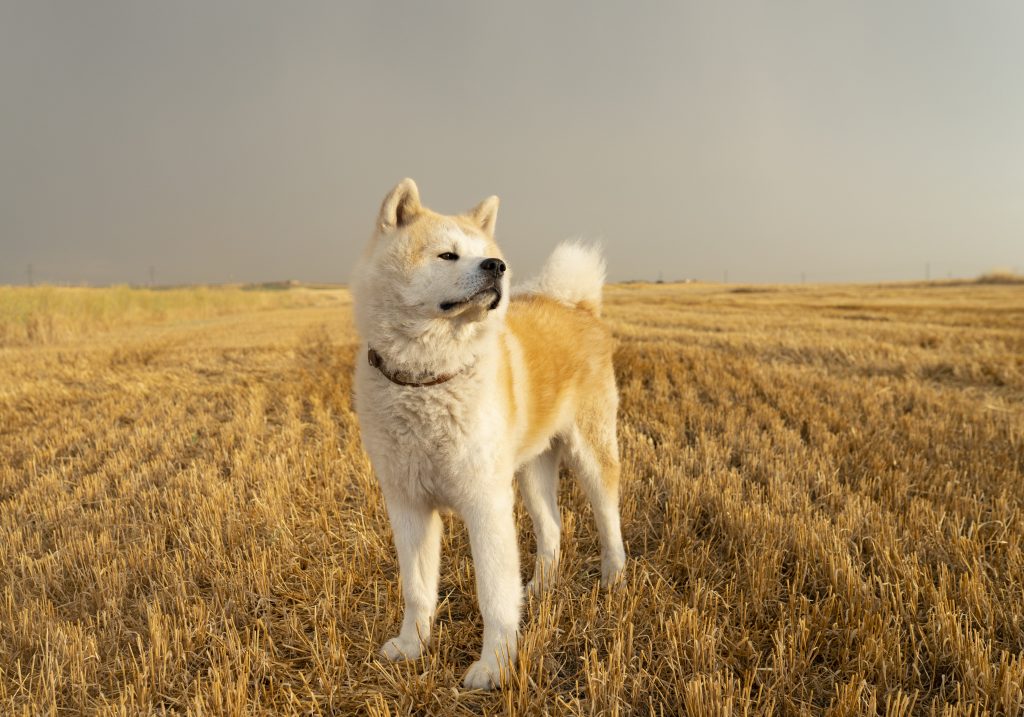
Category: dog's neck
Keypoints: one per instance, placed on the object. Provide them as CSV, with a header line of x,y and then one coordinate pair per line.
x,y
429,351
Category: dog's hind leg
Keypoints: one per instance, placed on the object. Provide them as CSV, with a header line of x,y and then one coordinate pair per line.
x,y
595,457
417,530
538,484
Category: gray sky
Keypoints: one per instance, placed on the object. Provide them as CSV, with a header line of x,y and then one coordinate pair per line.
x,y
251,140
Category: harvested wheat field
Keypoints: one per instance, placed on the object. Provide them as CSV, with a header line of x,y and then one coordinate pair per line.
x,y
823,507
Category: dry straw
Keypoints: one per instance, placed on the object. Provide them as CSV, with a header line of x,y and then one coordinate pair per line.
x,y
822,503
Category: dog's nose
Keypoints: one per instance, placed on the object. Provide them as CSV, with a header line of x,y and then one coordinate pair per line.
x,y
493,266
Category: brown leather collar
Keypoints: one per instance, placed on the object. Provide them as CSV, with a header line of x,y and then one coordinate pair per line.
x,y
378,363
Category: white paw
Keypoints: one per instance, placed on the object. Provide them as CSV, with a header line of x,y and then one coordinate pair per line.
x,y
482,676
399,648
611,569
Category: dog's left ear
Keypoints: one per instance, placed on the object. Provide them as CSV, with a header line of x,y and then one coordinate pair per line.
x,y
485,214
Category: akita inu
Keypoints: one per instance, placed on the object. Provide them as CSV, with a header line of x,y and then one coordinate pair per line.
x,y
465,388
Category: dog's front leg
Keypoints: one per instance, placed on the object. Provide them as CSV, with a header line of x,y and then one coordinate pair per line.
x,y
492,538
417,530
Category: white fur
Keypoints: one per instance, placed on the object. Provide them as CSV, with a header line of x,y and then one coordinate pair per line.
x,y
397,310
573,274
452,446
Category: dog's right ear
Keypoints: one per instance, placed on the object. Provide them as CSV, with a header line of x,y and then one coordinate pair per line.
x,y
400,206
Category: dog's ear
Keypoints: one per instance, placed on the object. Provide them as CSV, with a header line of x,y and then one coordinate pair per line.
x,y
485,214
400,206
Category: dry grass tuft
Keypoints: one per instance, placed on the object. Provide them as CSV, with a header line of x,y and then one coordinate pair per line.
x,y
822,503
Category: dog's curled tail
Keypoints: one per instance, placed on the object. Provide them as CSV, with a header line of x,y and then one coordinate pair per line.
x,y
574,274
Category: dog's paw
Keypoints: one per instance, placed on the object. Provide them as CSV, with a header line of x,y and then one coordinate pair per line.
x,y
397,649
482,676
611,569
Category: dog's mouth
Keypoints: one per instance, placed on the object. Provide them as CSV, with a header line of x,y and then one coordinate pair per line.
x,y
490,295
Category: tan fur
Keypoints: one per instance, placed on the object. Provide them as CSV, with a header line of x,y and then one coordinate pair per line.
x,y
567,354
420,242
422,226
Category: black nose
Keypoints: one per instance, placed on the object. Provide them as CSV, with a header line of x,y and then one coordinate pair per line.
x,y
493,266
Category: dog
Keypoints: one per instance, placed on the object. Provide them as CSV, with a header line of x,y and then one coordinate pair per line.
x,y
467,387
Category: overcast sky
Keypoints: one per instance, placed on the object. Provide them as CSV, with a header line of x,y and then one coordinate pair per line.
x,y
244,141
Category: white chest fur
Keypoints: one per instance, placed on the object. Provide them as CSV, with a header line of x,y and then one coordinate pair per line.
x,y
434,442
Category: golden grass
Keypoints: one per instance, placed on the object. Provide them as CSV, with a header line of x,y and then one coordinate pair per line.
x,y
44,314
822,503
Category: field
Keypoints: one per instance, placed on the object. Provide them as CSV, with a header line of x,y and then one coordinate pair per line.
x,y
823,506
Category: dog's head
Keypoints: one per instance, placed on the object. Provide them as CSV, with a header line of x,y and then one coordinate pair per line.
x,y
428,278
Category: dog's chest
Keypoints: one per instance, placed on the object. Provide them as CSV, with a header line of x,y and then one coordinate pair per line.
x,y
428,443
428,422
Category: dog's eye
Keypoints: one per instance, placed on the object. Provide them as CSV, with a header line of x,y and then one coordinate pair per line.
x,y
448,256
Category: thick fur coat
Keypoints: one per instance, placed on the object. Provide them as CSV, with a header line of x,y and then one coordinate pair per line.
x,y
472,388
